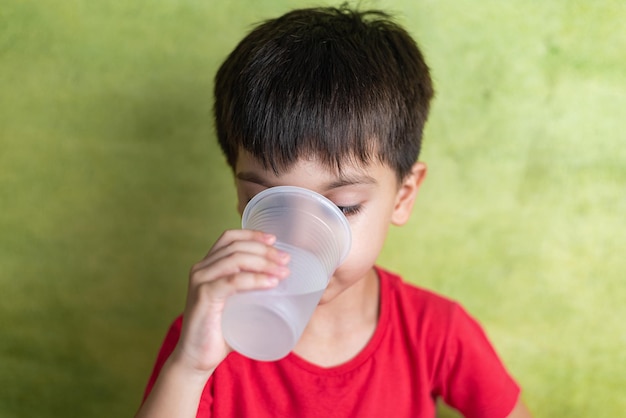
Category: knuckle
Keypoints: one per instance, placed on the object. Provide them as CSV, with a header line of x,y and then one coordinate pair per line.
x,y
205,291
233,257
194,272
224,238
195,267
226,233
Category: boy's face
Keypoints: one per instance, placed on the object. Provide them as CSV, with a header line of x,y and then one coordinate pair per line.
x,y
370,196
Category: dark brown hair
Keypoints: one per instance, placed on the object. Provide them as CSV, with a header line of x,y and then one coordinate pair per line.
x,y
333,83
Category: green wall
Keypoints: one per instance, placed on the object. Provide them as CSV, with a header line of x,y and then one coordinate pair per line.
x,y
111,186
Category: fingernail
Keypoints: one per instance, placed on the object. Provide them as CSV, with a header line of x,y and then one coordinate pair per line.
x,y
281,271
272,281
283,256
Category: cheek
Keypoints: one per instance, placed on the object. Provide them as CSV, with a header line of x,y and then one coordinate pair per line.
x,y
368,237
367,242
244,195
241,202
241,205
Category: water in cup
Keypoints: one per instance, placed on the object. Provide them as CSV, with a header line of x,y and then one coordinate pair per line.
x,y
266,324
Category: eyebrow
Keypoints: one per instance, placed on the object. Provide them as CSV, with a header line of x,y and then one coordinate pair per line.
x,y
342,181
252,178
350,180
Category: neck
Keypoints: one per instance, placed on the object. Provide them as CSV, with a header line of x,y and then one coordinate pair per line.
x,y
342,326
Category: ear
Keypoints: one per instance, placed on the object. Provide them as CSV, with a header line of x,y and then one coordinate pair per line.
x,y
407,192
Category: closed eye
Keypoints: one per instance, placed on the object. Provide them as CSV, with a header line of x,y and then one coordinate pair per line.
x,y
350,210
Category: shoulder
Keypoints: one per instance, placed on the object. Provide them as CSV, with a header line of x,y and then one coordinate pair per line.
x,y
421,318
461,362
414,300
427,319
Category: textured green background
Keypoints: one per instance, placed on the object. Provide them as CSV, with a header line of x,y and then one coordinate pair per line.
x,y
111,186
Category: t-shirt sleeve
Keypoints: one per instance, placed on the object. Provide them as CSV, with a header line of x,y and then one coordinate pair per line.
x,y
474,379
171,339
168,346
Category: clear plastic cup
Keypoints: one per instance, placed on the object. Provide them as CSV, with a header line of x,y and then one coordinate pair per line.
x,y
266,324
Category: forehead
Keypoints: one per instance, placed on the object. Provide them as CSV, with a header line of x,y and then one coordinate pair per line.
x,y
311,173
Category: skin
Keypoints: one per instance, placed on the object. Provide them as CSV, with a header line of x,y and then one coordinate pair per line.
x,y
372,199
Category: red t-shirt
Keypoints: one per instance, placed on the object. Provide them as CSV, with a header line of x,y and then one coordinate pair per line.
x,y
424,347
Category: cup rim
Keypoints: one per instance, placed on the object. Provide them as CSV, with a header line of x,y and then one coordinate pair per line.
x,y
310,194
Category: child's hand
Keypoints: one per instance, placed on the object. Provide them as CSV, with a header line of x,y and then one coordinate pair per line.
x,y
239,260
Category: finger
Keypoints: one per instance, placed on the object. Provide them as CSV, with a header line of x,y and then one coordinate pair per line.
x,y
246,247
219,290
233,235
237,262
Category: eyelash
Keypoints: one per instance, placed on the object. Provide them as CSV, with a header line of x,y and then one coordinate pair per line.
x,y
350,210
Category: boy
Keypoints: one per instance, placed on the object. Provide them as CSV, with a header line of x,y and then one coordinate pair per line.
x,y
333,100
